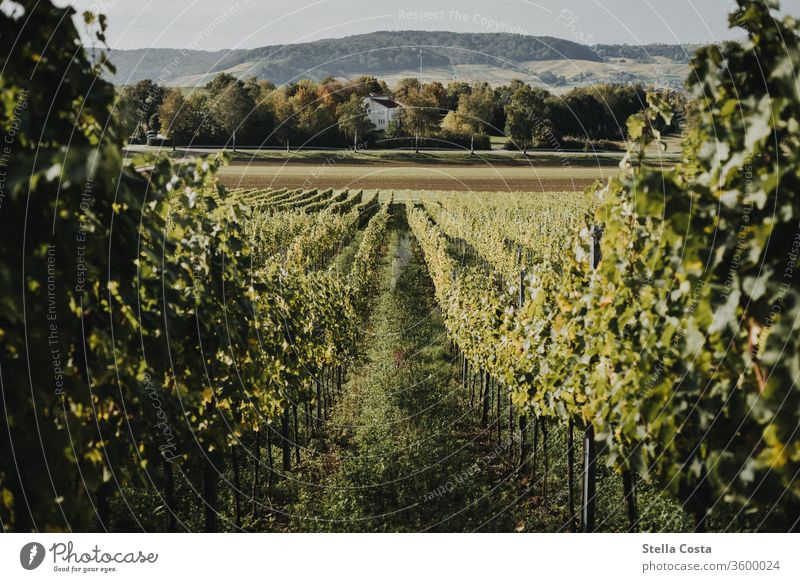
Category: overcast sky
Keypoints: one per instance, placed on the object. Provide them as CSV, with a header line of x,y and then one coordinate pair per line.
x,y
221,24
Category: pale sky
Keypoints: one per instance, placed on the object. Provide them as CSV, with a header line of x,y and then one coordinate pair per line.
x,y
225,24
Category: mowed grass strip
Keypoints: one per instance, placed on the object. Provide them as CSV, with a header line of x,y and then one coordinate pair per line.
x,y
401,449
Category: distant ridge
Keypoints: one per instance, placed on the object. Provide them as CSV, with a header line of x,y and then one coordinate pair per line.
x,y
492,57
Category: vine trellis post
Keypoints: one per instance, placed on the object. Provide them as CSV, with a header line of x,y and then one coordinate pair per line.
x,y
523,417
589,502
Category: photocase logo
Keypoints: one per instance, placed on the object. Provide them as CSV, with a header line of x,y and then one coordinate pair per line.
x,y
31,555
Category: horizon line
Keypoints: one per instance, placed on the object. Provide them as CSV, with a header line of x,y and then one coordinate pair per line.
x,y
460,33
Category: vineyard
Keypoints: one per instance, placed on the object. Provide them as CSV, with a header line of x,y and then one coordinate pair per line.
x,y
240,429
176,355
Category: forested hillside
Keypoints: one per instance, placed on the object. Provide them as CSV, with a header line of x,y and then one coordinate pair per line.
x,y
377,53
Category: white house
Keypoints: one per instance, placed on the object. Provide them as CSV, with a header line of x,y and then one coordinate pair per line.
x,y
381,109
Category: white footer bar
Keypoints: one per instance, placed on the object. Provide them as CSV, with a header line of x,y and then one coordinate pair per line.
x,y
401,557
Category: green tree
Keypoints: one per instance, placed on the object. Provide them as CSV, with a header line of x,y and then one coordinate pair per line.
x,y
220,83
522,114
353,120
420,115
231,108
366,84
453,123
138,102
282,109
453,92
189,120
436,91
501,100
313,110
406,87
154,122
475,108
173,116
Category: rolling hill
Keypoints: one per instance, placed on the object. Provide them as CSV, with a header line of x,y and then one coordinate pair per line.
x,y
493,57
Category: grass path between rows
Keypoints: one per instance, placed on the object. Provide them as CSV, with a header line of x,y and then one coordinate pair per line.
x,y
402,451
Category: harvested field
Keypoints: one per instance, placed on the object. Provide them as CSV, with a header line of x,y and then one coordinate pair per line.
x,y
409,176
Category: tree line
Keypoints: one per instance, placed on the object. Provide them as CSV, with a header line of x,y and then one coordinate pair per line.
x,y
229,111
